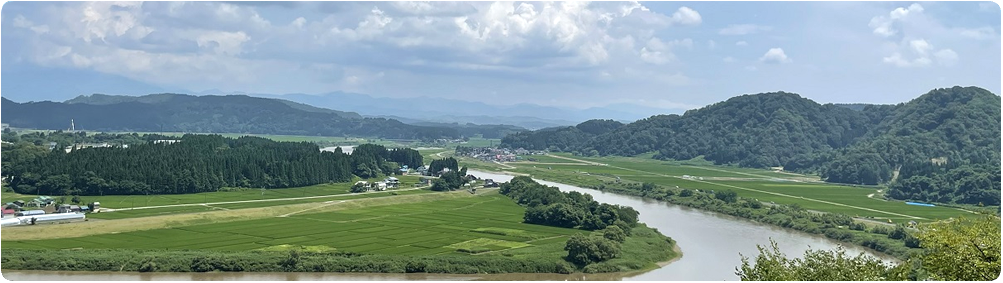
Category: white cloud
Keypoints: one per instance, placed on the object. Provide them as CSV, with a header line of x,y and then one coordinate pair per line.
x,y
885,25
923,55
743,29
228,43
168,42
775,56
751,68
728,59
912,36
711,44
741,43
686,16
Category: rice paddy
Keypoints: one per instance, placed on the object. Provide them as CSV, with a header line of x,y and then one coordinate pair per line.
x,y
764,185
472,225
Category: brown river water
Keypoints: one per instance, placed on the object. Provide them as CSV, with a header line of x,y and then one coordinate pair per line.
x,y
711,244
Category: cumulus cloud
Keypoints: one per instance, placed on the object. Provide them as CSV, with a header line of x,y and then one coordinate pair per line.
x,y
775,56
743,29
686,16
885,25
912,36
741,43
488,36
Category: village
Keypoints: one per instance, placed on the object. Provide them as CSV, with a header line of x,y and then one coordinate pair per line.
x,y
44,209
491,154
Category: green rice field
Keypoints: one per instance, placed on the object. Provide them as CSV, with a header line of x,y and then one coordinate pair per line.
x,y
764,185
475,225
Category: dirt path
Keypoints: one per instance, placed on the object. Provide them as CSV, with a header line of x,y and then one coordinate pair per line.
x,y
504,165
752,190
103,210
577,160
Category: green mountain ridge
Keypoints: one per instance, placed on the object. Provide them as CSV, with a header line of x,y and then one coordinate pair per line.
x,y
206,114
864,144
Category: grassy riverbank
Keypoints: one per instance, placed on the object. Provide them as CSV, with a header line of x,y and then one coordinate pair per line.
x,y
480,233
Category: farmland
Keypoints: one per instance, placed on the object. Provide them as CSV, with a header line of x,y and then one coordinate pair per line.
x,y
764,185
484,225
338,191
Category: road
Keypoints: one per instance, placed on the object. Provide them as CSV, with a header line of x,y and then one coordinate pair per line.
x,y
255,200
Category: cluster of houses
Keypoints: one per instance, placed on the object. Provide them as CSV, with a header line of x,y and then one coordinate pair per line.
x,y
44,204
388,183
498,154
41,210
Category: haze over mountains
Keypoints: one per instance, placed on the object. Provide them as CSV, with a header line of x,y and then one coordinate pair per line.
x,y
17,86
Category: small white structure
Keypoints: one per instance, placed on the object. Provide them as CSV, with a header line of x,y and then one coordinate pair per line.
x,y
381,186
27,220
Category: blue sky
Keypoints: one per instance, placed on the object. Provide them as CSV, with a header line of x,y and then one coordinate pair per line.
x,y
671,55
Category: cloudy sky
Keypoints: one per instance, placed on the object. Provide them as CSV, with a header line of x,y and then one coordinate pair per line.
x,y
673,55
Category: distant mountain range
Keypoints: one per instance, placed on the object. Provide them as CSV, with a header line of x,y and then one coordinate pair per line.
x,y
441,110
208,114
20,83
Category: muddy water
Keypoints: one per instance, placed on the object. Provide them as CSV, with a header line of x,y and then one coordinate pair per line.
x,y
710,242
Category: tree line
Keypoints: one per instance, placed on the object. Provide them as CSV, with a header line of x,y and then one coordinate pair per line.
x,y
198,163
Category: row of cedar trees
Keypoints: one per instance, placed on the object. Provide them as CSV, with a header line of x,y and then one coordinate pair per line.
x,y
199,163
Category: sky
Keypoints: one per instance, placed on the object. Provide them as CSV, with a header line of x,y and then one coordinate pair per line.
x,y
670,55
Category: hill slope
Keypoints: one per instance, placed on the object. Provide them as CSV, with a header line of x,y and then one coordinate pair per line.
x,y
957,128
214,114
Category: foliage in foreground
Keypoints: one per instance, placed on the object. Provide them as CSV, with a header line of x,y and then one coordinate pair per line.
x,y
964,249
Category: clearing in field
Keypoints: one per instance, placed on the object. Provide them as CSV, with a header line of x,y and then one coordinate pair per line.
x,y
473,225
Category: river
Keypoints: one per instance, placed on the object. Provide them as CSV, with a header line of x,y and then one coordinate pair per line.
x,y
710,242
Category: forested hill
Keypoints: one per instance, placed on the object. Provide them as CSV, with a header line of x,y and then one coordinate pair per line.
x,y
207,114
560,138
957,128
197,163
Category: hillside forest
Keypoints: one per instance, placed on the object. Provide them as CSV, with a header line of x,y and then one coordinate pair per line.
x,y
940,147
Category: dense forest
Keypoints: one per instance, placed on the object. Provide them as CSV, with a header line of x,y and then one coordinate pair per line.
x,y
210,114
942,146
197,163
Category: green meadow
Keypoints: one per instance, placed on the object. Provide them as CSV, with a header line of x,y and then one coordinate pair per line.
x,y
765,185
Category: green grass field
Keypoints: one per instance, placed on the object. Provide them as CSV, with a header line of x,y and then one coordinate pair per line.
x,y
765,185
475,225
